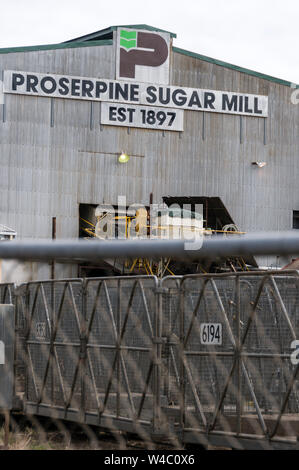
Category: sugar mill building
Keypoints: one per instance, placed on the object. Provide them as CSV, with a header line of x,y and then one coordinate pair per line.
x,y
197,130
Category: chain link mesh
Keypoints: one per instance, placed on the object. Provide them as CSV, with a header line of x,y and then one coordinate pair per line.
x,y
129,355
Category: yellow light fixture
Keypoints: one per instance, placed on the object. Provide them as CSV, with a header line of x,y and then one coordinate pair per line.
x,y
123,158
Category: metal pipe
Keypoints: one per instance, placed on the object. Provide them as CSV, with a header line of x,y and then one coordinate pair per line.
x,y
284,243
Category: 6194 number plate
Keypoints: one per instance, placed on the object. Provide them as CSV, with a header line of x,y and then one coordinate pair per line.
x,y
211,333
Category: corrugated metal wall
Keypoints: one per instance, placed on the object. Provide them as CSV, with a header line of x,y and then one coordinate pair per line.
x,y
54,154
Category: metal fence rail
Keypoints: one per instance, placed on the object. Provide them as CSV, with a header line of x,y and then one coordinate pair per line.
x,y
89,350
203,358
283,243
246,387
7,293
130,353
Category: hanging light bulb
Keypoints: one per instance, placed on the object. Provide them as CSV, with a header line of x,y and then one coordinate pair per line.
x,y
123,158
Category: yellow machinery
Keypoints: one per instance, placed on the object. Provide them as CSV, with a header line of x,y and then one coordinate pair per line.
x,y
166,224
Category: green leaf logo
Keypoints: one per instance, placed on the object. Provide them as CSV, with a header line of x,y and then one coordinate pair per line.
x,y
128,39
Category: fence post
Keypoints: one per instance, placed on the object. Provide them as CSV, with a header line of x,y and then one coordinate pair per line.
x,y
181,361
52,326
157,359
7,340
83,350
239,407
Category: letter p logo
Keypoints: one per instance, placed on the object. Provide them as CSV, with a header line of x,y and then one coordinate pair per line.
x,y
142,56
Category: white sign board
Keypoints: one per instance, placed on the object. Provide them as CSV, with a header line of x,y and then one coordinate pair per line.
x,y
211,333
142,56
193,99
2,353
142,116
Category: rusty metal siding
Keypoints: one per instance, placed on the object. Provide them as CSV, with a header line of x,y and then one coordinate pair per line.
x,y
55,154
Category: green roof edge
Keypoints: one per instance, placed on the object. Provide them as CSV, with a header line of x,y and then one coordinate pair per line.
x,y
109,42
234,67
143,26
47,47
88,37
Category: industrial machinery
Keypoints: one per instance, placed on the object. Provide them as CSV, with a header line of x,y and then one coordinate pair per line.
x,y
159,222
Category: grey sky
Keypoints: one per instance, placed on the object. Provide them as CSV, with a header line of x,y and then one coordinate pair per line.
x,y
262,35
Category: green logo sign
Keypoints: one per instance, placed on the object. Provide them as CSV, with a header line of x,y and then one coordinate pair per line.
x,y
140,48
128,39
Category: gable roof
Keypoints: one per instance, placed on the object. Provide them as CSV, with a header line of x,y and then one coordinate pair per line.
x,y
104,37
107,33
237,68
61,45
